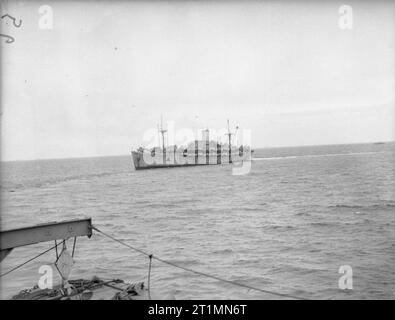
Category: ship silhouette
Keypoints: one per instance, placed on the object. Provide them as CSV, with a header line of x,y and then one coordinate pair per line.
x,y
196,153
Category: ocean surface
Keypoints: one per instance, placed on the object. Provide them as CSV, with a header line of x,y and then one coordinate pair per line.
x,y
287,226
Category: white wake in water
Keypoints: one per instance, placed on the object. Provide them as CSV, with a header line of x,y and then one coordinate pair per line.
x,y
319,155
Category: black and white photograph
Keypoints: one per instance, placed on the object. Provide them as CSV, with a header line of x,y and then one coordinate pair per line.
x,y
197,150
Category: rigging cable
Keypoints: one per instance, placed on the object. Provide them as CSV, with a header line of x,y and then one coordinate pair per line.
x,y
149,276
151,256
26,262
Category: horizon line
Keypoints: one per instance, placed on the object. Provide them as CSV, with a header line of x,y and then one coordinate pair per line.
x,y
266,147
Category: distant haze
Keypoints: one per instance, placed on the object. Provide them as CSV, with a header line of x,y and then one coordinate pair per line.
x,y
104,74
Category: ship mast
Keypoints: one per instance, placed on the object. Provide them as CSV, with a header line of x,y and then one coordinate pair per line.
x,y
229,134
163,131
207,138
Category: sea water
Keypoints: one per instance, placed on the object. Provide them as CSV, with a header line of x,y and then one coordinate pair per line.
x,y
287,226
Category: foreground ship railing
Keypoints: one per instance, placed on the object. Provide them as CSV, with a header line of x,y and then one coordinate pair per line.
x,y
79,289
10,239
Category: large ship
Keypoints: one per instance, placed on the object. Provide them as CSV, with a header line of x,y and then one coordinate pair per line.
x,y
196,153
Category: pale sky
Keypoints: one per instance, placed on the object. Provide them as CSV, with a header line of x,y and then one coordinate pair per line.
x,y
104,74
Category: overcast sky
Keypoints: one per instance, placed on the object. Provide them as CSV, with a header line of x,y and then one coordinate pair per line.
x,y
105,73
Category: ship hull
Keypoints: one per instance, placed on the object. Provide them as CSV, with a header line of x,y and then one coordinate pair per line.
x,y
143,161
